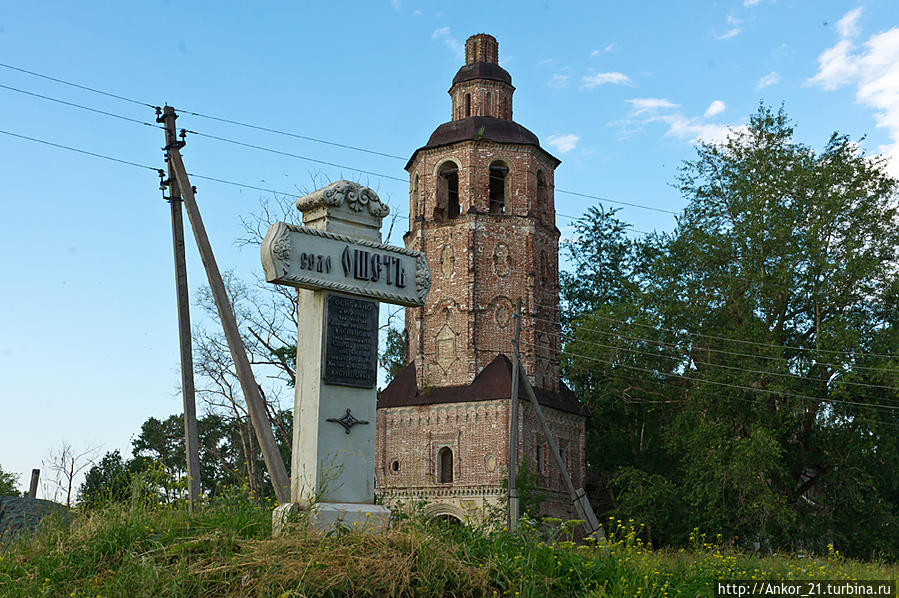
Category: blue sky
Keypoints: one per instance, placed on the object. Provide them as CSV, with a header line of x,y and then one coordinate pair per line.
x,y
620,92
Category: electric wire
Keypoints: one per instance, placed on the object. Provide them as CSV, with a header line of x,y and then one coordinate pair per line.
x,y
722,351
290,155
736,340
725,384
79,86
280,132
288,134
82,107
682,357
78,150
138,165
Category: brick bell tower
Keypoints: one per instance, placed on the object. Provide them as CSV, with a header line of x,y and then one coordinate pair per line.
x,y
482,211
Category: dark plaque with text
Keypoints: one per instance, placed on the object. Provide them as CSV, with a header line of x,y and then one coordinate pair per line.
x,y
351,345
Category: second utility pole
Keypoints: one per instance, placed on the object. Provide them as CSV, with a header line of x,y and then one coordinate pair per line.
x,y
191,437
255,405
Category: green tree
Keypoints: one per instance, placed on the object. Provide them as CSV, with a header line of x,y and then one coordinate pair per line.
x,y
9,483
393,358
743,367
108,480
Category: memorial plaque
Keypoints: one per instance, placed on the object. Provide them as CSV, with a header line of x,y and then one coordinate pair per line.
x,y
351,342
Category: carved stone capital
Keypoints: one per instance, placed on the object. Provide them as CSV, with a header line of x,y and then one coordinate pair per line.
x,y
345,193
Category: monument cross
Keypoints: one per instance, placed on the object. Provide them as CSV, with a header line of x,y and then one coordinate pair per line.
x,y
342,272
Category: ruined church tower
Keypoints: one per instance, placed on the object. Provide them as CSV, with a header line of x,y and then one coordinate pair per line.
x,y
482,211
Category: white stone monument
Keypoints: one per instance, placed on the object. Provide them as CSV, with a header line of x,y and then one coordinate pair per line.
x,y
342,271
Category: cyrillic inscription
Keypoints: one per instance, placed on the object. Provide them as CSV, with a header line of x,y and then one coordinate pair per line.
x,y
351,346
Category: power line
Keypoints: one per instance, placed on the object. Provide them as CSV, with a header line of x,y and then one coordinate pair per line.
x,y
80,151
615,201
82,107
280,132
79,86
290,155
681,357
138,165
735,340
288,134
722,351
725,384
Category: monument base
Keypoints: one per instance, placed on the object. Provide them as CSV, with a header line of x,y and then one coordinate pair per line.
x,y
326,516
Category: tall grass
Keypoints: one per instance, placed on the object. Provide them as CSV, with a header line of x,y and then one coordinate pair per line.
x,y
225,549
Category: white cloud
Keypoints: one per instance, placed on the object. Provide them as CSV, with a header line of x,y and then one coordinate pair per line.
x,y
451,42
768,80
848,25
728,34
642,105
651,110
395,4
563,143
611,47
558,80
594,53
874,71
595,80
751,3
716,107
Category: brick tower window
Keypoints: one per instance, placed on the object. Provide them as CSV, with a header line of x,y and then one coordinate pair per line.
x,y
415,196
447,192
487,105
445,465
498,178
467,104
541,188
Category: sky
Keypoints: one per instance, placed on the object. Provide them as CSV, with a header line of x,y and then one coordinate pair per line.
x,y
620,92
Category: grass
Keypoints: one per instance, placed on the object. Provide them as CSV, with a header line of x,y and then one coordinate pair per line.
x,y
225,549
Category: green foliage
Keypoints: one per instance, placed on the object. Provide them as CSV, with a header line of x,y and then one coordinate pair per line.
x,y
739,369
225,549
157,472
9,483
530,496
393,358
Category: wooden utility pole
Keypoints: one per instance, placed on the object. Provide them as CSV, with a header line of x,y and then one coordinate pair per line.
x,y
578,496
35,477
255,405
191,436
513,425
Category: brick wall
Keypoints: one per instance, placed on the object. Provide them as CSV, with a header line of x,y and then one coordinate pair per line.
x,y
482,263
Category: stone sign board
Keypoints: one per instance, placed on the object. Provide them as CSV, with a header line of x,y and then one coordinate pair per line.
x,y
309,258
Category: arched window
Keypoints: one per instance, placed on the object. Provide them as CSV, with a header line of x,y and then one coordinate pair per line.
x,y
447,192
487,105
541,188
498,180
467,104
415,197
445,465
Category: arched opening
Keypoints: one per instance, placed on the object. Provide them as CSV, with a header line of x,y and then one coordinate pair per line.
x,y
445,465
467,104
415,196
498,178
447,192
487,105
541,188
447,522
